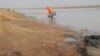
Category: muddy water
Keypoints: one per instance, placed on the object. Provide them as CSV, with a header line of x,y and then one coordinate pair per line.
x,y
78,18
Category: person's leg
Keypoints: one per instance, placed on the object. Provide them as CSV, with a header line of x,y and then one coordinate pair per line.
x,y
49,16
50,19
53,19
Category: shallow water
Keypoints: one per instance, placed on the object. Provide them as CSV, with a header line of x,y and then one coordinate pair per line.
x,y
78,18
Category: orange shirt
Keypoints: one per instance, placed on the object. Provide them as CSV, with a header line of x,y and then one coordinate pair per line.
x,y
50,10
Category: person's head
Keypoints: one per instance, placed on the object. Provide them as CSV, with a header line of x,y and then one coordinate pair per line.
x,y
47,7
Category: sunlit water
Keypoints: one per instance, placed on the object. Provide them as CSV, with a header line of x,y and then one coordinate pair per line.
x,y
78,18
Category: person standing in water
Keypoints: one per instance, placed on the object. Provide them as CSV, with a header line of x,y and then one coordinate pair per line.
x,y
51,13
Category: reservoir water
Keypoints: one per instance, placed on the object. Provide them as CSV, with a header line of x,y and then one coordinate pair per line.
x,y
78,18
